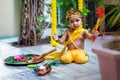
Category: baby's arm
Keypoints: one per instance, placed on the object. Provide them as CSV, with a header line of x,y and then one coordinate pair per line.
x,y
62,39
89,35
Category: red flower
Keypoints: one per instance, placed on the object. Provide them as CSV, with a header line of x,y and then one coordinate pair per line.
x,y
100,12
23,60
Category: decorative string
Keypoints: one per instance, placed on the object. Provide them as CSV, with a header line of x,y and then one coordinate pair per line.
x,y
54,23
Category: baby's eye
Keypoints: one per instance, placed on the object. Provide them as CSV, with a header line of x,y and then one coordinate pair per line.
x,y
71,21
77,20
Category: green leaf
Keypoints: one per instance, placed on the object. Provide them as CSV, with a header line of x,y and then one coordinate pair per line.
x,y
85,11
74,2
59,4
41,19
48,4
101,3
39,28
114,15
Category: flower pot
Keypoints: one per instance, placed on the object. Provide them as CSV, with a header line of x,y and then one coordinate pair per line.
x,y
108,52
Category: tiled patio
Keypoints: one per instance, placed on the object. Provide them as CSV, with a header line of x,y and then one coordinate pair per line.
x,y
87,71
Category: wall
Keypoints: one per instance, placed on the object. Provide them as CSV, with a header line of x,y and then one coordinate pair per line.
x,y
9,17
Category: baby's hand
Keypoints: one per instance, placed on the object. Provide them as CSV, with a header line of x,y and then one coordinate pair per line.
x,y
96,33
55,37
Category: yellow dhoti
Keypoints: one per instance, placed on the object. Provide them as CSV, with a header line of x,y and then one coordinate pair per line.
x,y
76,55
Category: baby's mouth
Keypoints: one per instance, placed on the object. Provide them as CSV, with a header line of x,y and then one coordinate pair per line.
x,y
75,26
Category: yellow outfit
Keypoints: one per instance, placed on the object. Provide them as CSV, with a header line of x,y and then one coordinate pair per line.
x,y
77,55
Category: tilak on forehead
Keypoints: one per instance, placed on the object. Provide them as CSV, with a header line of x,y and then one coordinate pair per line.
x,y
73,11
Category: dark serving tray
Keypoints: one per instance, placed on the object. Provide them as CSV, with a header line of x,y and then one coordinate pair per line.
x,y
10,60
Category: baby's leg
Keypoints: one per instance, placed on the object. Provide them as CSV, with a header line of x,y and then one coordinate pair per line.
x,y
81,57
67,57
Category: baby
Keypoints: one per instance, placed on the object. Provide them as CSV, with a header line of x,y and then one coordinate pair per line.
x,y
73,38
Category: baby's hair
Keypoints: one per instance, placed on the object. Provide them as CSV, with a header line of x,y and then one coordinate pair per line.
x,y
73,11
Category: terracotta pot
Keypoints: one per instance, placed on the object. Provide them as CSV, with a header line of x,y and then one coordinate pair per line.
x,y
108,52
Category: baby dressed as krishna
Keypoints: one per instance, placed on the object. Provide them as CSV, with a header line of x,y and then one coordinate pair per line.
x,y
73,40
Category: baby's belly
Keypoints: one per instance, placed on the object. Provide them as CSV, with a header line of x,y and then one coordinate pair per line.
x,y
76,46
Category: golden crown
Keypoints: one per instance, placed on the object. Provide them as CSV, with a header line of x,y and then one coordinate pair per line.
x,y
73,11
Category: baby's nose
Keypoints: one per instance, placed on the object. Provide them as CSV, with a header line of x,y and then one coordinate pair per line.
x,y
75,22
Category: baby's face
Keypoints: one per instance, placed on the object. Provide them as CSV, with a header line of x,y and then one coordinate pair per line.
x,y
74,21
